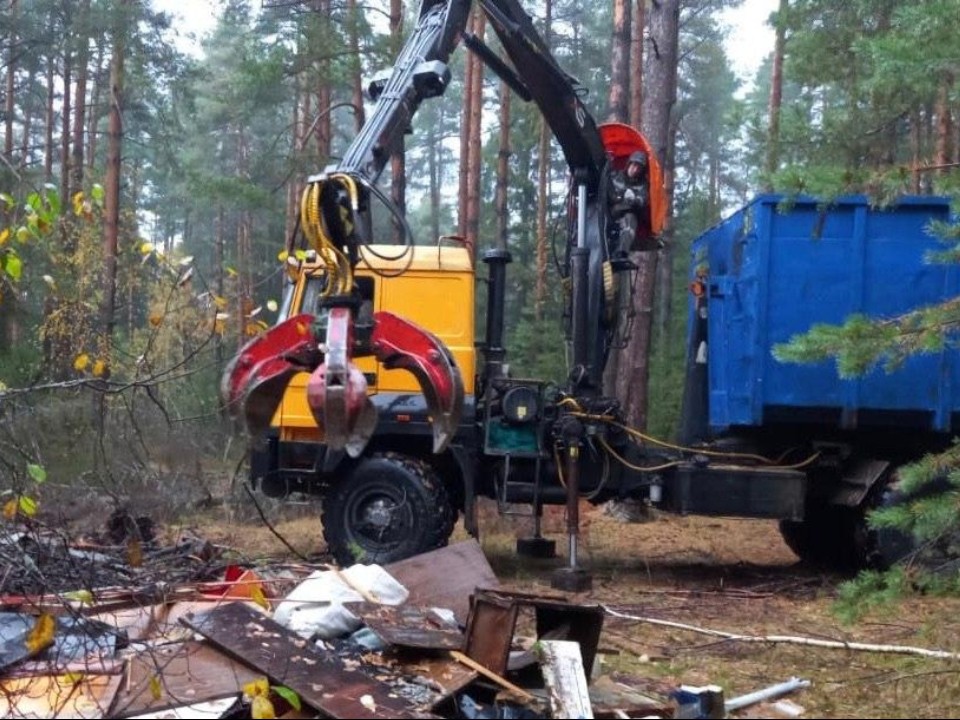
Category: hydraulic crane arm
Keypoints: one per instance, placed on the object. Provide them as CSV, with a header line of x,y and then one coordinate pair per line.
x,y
336,220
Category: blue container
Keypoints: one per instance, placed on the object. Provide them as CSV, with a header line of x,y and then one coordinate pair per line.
x,y
772,273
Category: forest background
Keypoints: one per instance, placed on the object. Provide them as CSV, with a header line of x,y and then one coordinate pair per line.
x,y
148,189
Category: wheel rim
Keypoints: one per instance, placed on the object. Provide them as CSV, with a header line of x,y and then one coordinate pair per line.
x,y
378,517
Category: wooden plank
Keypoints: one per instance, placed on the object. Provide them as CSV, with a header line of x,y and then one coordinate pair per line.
x,y
565,680
58,696
321,679
185,673
446,578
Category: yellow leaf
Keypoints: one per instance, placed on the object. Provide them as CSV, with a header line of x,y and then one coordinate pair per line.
x,y
73,678
134,553
256,594
4,236
219,301
219,327
146,248
283,255
99,368
81,362
27,505
262,708
251,329
301,255
84,597
231,272
41,635
257,688
156,319
155,690
10,508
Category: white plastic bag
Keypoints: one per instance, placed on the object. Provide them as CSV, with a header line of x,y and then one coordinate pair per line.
x,y
315,607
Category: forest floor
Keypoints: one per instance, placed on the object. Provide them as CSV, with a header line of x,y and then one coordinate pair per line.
x,y
735,576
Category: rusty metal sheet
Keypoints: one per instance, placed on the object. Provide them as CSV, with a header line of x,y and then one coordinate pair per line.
x,y
490,631
185,673
322,680
446,577
408,626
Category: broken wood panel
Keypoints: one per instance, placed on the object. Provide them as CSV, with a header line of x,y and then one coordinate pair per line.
x,y
184,673
320,679
408,626
565,680
490,632
88,696
446,577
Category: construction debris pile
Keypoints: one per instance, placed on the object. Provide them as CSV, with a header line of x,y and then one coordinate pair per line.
x,y
432,636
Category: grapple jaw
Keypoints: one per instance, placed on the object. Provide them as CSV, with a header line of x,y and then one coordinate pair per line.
x,y
254,381
336,390
398,343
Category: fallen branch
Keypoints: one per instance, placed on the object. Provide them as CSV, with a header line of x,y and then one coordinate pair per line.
x,y
791,639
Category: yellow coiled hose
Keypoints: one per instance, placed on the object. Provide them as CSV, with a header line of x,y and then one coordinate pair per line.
x,y
336,264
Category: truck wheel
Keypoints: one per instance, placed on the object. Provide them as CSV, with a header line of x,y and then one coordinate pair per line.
x,y
833,537
390,507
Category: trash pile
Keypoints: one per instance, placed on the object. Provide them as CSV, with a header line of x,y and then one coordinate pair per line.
x,y
434,636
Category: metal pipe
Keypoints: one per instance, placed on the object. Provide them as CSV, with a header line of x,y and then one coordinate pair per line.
x,y
766,694
572,479
497,260
581,216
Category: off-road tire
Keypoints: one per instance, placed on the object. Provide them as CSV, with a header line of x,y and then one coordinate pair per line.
x,y
831,537
388,508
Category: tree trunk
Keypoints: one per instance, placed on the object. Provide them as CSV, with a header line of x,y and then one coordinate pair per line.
x,y
474,145
543,189
292,194
466,133
356,67
776,99
9,105
112,181
49,121
219,240
398,160
80,98
638,27
618,100
324,126
916,151
93,114
435,133
28,110
633,371
66,114
944,123
503,170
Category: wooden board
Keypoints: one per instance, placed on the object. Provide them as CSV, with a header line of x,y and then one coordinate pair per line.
x,y
185,673
321,679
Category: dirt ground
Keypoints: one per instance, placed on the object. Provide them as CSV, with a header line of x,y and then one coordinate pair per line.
x,y
735,576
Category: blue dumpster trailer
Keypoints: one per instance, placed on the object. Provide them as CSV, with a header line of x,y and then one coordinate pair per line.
x,y
767,273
